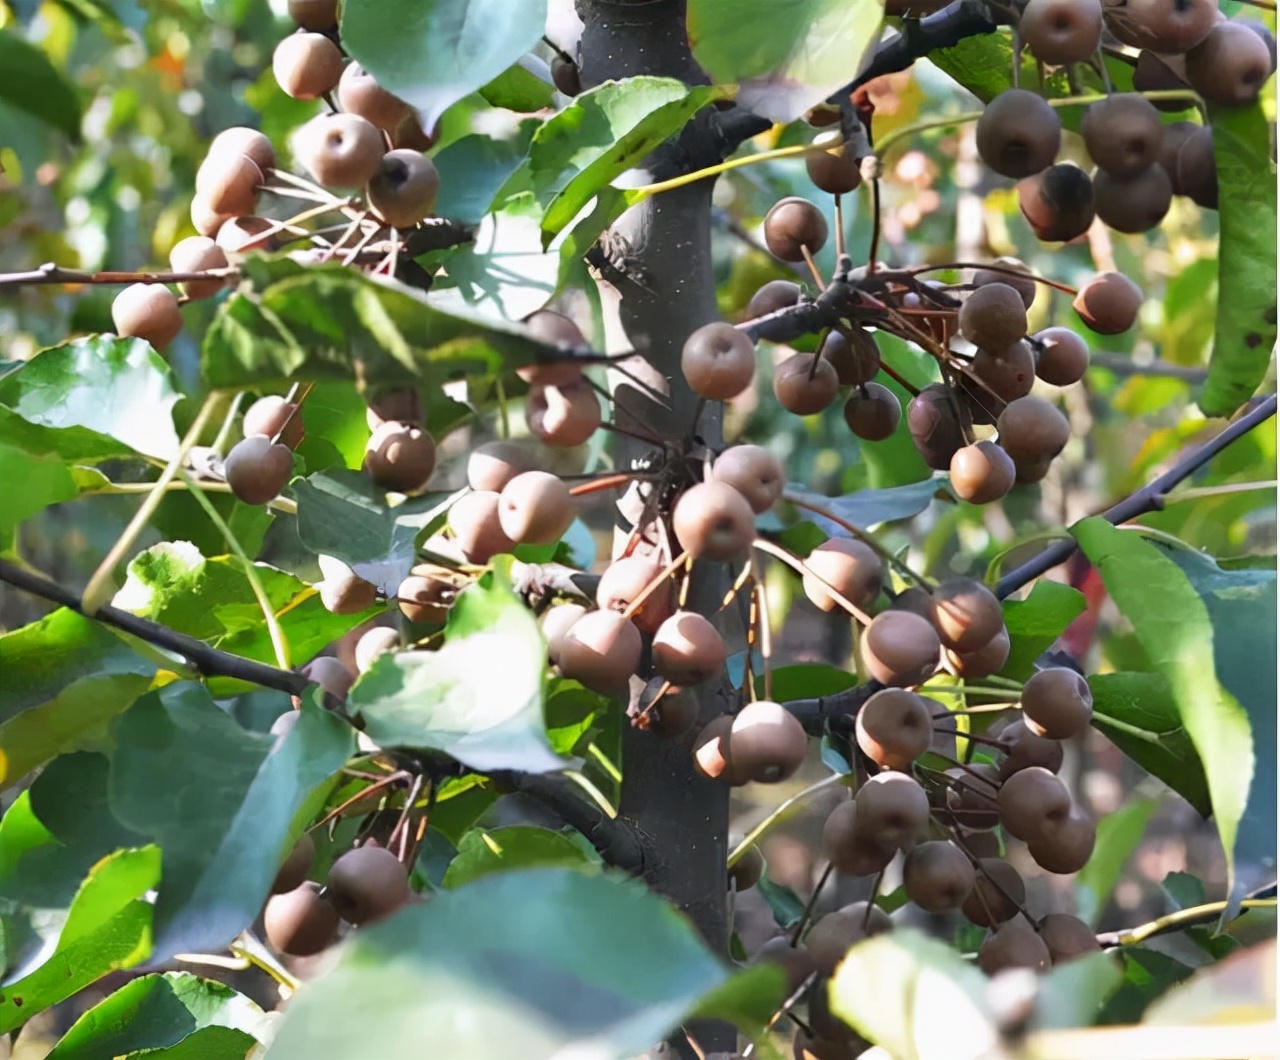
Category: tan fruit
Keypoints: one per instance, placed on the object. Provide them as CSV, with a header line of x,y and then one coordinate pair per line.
x,y
629,576
240,140
1023,749
1109,303
198,254
713,521
257,470
562,416
1067,937
805,385
206,220
997,893
331,675
836,170
1057,203
982,473
147,311
711,751
938,876
343,592
766,743
688,649
792,226
555,623
425,598
359,93
477,527
269,415
228,184
602,651
300,922
987,660
492,465
400,457
900,649
404,189
852,568
895,727
339,150
536,508
1014,944
240,235
366,884
307,65
754,472
381,640
966,614
718,361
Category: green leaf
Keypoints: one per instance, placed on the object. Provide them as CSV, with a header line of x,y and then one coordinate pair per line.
x,y
1072,994
119,388
1246,328
1239,990
488,850
65,676
45,480
516,984
1173,625
30,82
1137,712
223,842
473,168
786,906
155,1011
807,680
798,56
868,508
518,88
1036,622
433,52
572,714
478,698
1119,834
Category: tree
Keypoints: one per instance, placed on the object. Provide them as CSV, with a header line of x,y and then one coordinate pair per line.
x,y
504,779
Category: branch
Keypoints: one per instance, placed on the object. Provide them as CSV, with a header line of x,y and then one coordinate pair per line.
x,y
1124,365
838,711
1149,498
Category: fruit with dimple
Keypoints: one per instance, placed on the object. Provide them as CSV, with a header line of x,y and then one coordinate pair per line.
x,y
1161,25
626,578
300,922
367,883
359,93
1031,801
1061,32
687,649
1109,303
314,15
1062,357
1058,202
1008,375
555,623
554,329
342,590
900,648
982,472
1230,66
993,317
400,457
997,892
872,412
805,384
792,226
425,598
773,296
1018,134
1135,204
602,651
719,361
292,874
1122,134
754,472
1032,428
850,567
1067,937
833,935
835,170
850,849
1065,846
147,311
404,188
895,727
269,415
477,527
766,742
375,642
1014,944
1024,749
257,469
307,65
562,416
938,876
936,422
493,464
1057,703
713,521
893,807
536,508
983,662
339,150
966,614
198,254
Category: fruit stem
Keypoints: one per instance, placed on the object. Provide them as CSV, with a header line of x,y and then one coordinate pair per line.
x,y
637,195
813,268
802,568
654,585
780,815
971,737
1198,492
1182,918
993,267
806,914
100,588
600,484
735,588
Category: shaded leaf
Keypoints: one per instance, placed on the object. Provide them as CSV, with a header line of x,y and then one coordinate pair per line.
x,y
787,906
867,508
30,82
518,88
488,850
1037,621
45,480
1072,993
1239,989
473,168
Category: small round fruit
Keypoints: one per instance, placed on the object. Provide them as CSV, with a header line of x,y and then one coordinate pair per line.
x,y
936,421
240,235
1161,73
766,742
400,457
147,311
1018,134
1057,703
381,640
477,527
854,355
359,93
1060,32
1135,204
257,470
1109,303
746,871
314,15
674,714
1032,801
900,649
1012,272
1065,847
985,661
938,876
602,651
754,472
795,962
993,317
966,614
1063,356
1161,25
971,795
198,254
1032,429
1067,937
403,191
307,65
227,184
772,297
893,807
1196,170
331,675
872,412
423,598
713,521
1014,944
300,922
688,649
850,567
241,140
269,415
339,150
981,473
997,892
711,751
367,883
1009,374
835,170
1230,66
565,75
1058,202
555,623
554,329
719,361
792,226
492,465
205,219
805,384
626,578
894,728
536,508
343,591
1122,134
293,873
562,416
399,404
1024,750
409,135
833,935
852,850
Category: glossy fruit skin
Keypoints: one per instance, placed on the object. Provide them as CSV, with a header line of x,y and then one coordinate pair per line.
x,y
562,416
900,649
1067,937
477,528
367,883
719,361
988,905
873,412
1122,134
293,872
300,922
343,591
1012,272
850,567
1058,202
792,226
314,15
565,76
894,728
331,675
240,235
601,650
1032,801
670,717
1109,303
993,317
1065,847
1137,204
773,296
1062,356
147,311
1018,134
713,521
985,661
555,623
1014,945
198,254
241,140
1057,703
688,649
339,150
804,387
836,171
493,464
855,356
629,576
766,743
1008,375
1188,160
936,422
307,65
404,189
400,457
1060,32
269,415
257,470
359,93
711,756
228,184
971,796
938,876
1230,66
982,472
1033,429
536,508
754,472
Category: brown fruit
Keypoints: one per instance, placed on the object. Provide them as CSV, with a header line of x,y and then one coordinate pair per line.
x,y
360,94
893,809
257,470
409,135
381,640
314,15
1031,802
1058,202
404,188
206,220
536,508
671,716
993,317
228,184
1024,749
629,576
1161,73
240,235
562,416
1062,357
400,457
331,675
367,883
1109,303
602,651
293,873
343,592
401,404
1013,945
792,226
855,356
1160,25
425,598
1065,847
766,743
339,150
1012,272
872,412
938,876
711,751
198,254
240,140
835,170
307,65
1060,32
477,527
1230,66
795,962
805,384
971,795
268,415
492,465
936,421
565,75
559,331
1196,169
1067,937
149,312
300,922
1136,204
746,871
981,473
1122,134
966,614
687,649
1032,429
1018,134
754,472
985,661
853,569
851,850
900,648
895,727
772,297
997,892
1057,703
1009,374
719,361
555,623
833,935
713,521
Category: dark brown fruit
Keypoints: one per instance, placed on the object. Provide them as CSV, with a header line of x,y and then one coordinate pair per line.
x,y
1161,25
555,623
425,598
565,76
1024,749
555,329
1013,945
893,808
688,649
602,651
1062,356
1032,429
985,661
1057,703
299,922
1161,73
331,675
803,386
938,876
772,297
147,311
227,184
855,356
981,473
900,648
993,317
477,527
1137,204
852,851
307,65
339,150
966,614
1122,134
719,361
833,935
409,135
198,254
400,457
562,416
853,569
1058,203
1065,847
360,94
872,412
1018,134
268,415
980,844
1109,303
378,641
766,742
629,576
674,714
258,470
401,404
492,465
1230,66
895,727
792,226
536,508
404,188
754,472
713,521
1067,937
971,795
1061,31
1008,375
795,962
936,421
835,170
991,903
293,873
1196,169
367,883
1031,802
315,15
746,871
